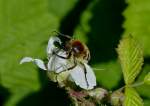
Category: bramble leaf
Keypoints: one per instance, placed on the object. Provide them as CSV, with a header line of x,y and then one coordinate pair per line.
x,y
131,58
137,22
132,98
147,79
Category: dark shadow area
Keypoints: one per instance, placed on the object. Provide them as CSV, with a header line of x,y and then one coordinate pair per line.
x,y
144,97
49,95
4,95
72,19
106,29
146,60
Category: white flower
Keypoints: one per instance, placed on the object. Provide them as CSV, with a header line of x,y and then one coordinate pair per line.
x,y
83,76
81,73
50,48
38,62
59,64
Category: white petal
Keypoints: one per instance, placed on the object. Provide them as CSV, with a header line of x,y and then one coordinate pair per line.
x,y
50,64
26,59
59,64
38,62
51,46
91,79
83,76
78,76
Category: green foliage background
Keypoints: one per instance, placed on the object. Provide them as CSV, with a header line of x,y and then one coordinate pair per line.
x,y
26,25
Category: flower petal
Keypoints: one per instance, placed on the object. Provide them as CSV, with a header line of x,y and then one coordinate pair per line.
x,y
51,46
78,76
26,59
38,62
91,78
83,76
59,64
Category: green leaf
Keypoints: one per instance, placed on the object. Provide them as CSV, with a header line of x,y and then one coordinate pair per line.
x,y
25,26
143,90
147,79
137,22
108,74
132,98
131,58
146,102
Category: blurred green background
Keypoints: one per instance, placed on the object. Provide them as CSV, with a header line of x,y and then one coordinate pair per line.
x,y
26,25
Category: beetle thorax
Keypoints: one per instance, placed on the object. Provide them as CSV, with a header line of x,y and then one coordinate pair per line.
x,y
79,50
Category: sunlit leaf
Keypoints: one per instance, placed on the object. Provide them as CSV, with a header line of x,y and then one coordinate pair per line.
x,y
137,22
147,79
25,27
132,98
131,58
